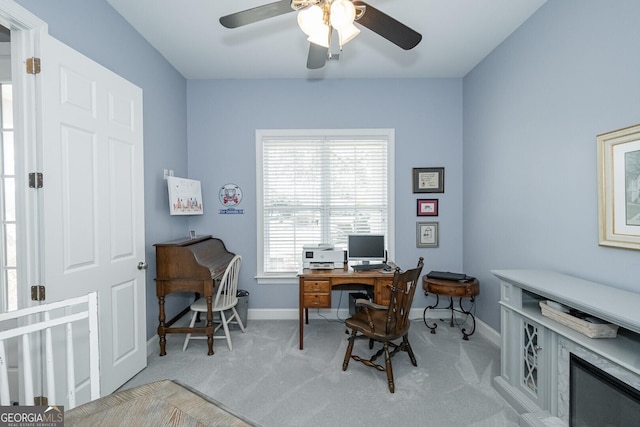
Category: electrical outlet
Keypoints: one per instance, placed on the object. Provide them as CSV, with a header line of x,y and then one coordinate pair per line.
x,y
165,173
170,172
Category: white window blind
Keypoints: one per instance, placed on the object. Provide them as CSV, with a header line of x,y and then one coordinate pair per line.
x,y
319,189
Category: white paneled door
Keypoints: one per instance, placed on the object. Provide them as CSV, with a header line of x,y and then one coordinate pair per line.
x,y
93,212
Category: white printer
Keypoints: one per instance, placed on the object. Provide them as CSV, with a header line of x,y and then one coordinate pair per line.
x,y
322,257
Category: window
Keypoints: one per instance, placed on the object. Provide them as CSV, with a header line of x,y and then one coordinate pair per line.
x,y
319,186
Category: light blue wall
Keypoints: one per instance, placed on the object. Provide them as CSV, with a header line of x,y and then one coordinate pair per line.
x,y
222,119
532,110
96,30
425,113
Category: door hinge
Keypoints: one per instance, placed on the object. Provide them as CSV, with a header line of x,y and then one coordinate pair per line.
x,y
37,293
33,65
35,180
40,401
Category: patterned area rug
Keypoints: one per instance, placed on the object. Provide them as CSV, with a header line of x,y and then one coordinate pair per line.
x,y
161,403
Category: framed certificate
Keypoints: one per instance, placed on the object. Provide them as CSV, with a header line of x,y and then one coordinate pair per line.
x,y
428,180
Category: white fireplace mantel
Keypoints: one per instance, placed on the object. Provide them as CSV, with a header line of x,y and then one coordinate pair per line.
x,y
614,305
531,343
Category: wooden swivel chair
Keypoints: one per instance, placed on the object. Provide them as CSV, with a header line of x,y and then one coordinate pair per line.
x,y
386,324
225,301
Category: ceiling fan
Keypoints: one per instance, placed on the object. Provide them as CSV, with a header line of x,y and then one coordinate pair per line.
x,y
318,19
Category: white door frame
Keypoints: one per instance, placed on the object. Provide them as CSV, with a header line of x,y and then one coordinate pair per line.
x,y
26,34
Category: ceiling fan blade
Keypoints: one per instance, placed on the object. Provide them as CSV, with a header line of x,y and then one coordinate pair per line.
x,y
256,14
317,56
392,30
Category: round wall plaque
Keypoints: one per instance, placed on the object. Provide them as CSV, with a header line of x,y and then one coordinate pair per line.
x,y
230,195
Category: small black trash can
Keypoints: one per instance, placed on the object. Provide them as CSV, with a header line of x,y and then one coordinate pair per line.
x,y
242,308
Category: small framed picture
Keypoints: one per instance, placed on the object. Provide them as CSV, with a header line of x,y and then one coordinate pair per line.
x,y
427,234
428,180
427,207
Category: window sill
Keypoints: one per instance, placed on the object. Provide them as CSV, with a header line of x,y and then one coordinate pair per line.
x,y
284,279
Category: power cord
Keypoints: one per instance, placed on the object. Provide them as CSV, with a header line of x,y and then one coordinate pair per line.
x,y
339,320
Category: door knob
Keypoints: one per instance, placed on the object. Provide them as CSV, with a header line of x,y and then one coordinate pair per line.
x,y
142,265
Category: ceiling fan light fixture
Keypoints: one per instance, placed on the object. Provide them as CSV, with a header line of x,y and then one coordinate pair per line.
x,y
312,22
318,18
343,13
310,19
321,36
347,34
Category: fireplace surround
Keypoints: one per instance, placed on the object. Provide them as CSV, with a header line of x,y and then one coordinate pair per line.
x,y
568,350
536,350
597,398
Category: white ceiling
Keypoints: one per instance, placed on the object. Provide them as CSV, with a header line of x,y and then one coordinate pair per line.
x,y
457,35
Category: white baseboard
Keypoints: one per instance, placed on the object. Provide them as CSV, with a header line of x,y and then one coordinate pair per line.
x,y
292,314
488,332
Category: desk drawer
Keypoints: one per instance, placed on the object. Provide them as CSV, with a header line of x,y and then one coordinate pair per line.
x,y
452,288
359,278
384,291
317,300
316,286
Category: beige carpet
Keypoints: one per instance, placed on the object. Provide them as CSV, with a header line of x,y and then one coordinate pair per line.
x,y
267,378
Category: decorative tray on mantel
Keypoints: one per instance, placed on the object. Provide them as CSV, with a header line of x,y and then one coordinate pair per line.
x,y
578,321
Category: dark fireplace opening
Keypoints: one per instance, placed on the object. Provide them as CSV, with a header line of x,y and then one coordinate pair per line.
x,y
597,399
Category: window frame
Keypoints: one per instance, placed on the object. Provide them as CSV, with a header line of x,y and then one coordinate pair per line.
x,y
262,134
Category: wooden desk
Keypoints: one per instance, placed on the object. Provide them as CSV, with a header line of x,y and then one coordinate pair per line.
x,y
316,285
189,265
451,288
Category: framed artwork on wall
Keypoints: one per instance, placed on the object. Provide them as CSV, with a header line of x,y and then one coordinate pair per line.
x,y
427,207
619,188
428,180
185,196
427,234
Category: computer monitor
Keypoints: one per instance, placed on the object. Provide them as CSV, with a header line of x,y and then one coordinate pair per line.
x,y
365,248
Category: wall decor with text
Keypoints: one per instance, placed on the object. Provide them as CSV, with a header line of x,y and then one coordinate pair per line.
x,y
428,180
